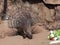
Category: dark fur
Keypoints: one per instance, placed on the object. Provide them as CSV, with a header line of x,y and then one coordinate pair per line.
x,y
25,26
23,23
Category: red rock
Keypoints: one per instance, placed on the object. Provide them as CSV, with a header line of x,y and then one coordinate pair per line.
x,y
57,16
52,1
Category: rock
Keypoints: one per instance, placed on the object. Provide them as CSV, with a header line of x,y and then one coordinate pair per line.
x,y
45,14
49,14
53,26
42,13
38,28
1,5
57,16
52,1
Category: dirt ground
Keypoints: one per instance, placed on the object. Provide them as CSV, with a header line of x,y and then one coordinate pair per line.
x,y
38,39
